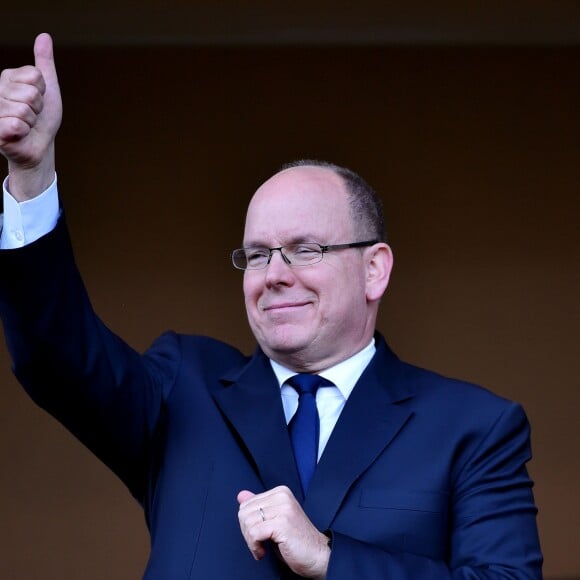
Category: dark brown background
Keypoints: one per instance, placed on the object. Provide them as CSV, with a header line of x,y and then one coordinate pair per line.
x,y
475,152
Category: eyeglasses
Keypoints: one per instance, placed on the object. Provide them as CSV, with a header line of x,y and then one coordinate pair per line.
x,y
303,254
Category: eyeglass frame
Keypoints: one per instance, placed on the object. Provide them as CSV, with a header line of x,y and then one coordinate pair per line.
x,y
323,250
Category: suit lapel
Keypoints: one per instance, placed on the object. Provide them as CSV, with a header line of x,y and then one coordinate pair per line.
x,y
250,399
368,423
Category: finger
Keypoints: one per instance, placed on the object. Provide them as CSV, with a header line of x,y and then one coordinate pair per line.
x,y
13,112
251,515
251,518
255,533
20,96
244,496
44,58
28,75
278,493
12,130
257,549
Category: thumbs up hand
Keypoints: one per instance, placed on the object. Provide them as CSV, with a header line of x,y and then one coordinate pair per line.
x,y
30,115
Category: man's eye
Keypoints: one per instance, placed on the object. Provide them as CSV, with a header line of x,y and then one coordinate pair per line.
x,y
257,255
305,250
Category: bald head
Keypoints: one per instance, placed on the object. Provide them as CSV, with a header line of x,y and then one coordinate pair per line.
x,y
366,207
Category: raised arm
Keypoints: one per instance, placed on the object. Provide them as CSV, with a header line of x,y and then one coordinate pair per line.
x,y
30,115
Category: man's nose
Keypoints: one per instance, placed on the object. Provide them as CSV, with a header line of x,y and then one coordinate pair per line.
x,y
278,270
282,255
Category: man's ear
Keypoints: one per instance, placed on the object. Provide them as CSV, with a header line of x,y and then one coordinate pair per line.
x,y
379,263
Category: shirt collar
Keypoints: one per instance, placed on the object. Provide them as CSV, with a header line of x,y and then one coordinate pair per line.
x,y
344,375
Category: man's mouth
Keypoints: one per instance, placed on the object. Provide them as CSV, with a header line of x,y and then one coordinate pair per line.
x,y
280,306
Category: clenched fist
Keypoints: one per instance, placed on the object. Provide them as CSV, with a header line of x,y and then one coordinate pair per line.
x,y
30,115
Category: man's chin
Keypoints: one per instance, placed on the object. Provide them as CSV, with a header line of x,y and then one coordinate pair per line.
x,y
284,346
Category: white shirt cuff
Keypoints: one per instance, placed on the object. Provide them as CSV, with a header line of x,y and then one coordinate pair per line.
x,y
23,223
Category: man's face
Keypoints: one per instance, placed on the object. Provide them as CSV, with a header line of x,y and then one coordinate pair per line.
x,y
310,317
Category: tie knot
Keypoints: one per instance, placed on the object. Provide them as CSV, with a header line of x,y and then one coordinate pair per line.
x,y
307,383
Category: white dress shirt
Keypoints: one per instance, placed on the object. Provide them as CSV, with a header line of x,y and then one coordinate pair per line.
x,y
24,222
329,400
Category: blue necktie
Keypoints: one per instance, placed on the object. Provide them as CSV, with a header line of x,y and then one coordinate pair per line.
x,y
305,425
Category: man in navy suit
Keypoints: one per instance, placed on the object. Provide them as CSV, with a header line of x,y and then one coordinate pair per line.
x,y
414,475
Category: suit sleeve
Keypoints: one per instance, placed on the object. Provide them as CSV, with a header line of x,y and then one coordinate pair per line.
x,y
493,530
72,365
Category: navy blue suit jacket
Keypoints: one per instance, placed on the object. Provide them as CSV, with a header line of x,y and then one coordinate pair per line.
x,y
423,476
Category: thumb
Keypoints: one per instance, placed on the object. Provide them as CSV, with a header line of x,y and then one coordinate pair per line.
x,y
244,495
44,58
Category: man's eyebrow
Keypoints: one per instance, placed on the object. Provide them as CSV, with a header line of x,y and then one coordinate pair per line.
x,y
302,239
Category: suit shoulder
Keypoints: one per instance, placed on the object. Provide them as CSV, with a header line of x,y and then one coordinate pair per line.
x,y
448,391
208,355
470,414
195,346
430,386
